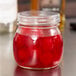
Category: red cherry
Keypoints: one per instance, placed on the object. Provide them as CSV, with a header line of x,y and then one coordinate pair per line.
x,y
23,54
23,41
44,44
19,40
46,59
57,50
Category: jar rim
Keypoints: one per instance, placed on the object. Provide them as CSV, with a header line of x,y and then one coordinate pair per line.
x,y
42,18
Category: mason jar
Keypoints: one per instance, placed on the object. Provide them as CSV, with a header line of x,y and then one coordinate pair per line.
x,y
38,42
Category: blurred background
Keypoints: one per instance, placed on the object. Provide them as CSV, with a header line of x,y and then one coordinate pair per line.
x,y
70,7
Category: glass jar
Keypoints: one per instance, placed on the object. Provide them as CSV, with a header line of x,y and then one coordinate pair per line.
x,y
38,42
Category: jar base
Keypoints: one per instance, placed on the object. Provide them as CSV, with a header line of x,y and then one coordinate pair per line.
x,y
29,68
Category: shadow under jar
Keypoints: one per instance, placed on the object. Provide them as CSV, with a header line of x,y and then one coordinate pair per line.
x,y
38,42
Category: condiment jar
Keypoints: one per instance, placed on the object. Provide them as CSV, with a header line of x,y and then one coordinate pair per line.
x,y
38,42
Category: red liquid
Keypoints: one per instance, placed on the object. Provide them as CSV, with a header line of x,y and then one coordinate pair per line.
x,y
42,52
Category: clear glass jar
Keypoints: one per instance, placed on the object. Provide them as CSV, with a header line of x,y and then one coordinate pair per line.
x,y
38,42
